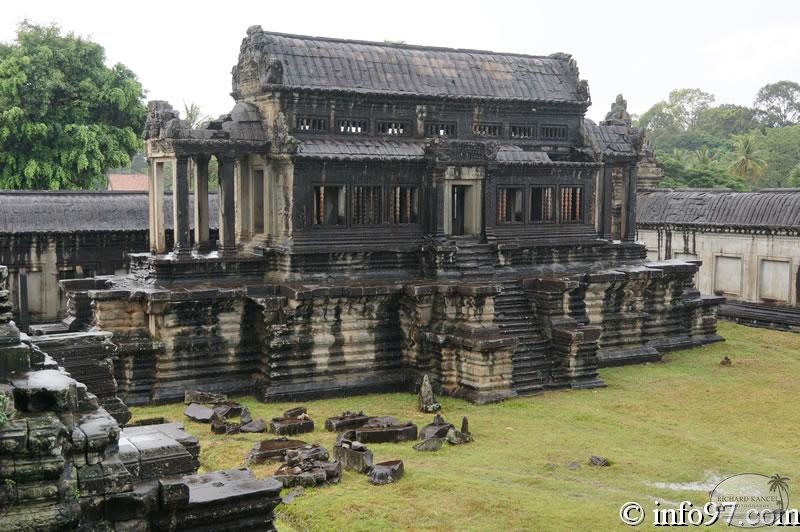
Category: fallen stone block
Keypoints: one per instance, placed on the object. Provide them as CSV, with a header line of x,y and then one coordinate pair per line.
x,y
386,429
220,426
274,449
258,425
199,413
309,473
346,421
224,500
228,410
386,472
430,444
352,454
437,429
289,426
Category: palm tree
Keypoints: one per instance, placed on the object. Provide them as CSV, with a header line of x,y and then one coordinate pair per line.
x,y
779,484
194,115
702,156
679,155
748,163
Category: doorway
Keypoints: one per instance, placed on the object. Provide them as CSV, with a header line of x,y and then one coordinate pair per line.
x,y
458,210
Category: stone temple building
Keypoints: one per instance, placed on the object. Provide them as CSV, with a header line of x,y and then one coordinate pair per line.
x,y
748,241
387,211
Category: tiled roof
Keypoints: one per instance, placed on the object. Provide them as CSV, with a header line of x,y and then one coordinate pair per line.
x,y
372,67
777,208
127,182
85,211
609,140
514,155
360,149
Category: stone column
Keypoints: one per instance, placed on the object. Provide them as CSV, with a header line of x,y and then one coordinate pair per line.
x,y
151,204
607,189
201,238
180,206
242,188
158,242
439,204
630,204
227,206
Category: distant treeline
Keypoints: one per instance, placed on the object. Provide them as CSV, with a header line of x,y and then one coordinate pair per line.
x,y
705,145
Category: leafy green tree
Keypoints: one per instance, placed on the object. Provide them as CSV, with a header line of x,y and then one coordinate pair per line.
x,y
687,105
778,104
725,120
700,170
748,162
672,123
794,177
65,117
780,149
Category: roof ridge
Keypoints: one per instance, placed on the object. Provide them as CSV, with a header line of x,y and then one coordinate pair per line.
x,y
556,56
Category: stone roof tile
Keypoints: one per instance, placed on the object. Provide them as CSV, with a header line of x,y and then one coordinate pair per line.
x,y
374,67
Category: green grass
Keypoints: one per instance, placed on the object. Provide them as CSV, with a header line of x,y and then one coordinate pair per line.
x,y
681,421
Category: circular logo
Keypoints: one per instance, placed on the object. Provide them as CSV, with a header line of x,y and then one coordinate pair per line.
x,y
750,500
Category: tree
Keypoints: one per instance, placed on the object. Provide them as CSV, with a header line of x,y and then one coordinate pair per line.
x,y
794,177
781,151
667,121
725,120
702,156
778,104
65,117
687,104
194,115
748,163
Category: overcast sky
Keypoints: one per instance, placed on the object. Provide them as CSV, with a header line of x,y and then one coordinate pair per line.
x,y
185,51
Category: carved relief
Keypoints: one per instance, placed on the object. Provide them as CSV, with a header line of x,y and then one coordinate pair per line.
x,y
461,151
282,141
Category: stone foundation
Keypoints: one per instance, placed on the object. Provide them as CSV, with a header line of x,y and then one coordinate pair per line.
x,y
485,324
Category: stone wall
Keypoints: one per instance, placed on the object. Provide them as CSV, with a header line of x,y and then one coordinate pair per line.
x,y
749,266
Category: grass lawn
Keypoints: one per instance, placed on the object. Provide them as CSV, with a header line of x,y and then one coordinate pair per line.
x,y
663,426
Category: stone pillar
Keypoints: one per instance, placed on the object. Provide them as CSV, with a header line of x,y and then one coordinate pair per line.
x,y
227,206
158,243
180,206
439,204
243,193
630,204
201,238
607,190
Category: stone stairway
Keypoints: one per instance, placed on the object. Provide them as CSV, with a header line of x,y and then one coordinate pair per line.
x,y
514,317
474,258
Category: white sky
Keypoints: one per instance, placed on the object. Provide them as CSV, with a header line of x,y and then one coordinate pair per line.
x,y
184,51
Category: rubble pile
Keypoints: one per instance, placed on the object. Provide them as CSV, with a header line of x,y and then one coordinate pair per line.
x,y
66,464
307,467
221,413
